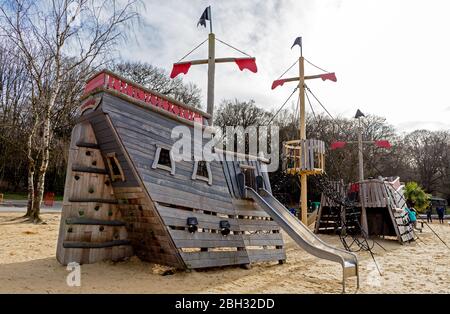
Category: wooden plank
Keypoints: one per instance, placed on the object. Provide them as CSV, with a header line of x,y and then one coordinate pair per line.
x,y
233,169
228,180
132,189
89,221
263,240
178,218
240,226
78,168
87,145
266,255
94,245
205,240
93,200
181,198
214,259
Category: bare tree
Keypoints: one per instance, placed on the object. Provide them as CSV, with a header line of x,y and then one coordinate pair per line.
x,y
158,80
46,34
428,156
240,113
14,84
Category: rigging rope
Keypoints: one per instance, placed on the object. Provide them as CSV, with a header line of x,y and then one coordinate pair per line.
x,y
282,106
233,47
196,47
310,105
320,103
288,69
316,66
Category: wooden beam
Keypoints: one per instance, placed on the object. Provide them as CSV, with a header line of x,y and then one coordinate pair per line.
x,y
87,145
93,200
217,60
77,168
94,245
89,221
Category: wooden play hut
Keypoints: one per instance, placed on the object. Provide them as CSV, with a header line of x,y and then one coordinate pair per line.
x,y
125,194
381,199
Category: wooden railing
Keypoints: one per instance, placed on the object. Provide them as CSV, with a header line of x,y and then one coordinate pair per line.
x,y
304,156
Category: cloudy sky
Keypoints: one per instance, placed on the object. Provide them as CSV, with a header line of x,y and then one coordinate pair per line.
x,y
391,57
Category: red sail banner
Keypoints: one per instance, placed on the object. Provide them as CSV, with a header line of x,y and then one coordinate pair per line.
x,y
246,63
109,81
337,145
329,76
277,83
383,144
180,68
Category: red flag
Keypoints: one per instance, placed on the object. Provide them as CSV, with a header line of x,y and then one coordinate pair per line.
x,y
337,145
180,68
246,63
329,76
383,144
277,83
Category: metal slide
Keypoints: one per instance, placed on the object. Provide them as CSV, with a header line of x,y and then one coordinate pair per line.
x,y
304,237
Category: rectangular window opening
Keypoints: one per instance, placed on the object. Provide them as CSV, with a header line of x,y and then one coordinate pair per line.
x,y
115,170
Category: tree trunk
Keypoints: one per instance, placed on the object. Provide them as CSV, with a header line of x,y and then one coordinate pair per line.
x,y
31,170
40,179
40,182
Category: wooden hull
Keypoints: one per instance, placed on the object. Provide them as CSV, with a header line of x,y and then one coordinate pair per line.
x,y
150,207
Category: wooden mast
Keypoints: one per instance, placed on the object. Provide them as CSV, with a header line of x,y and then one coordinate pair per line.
x,y
304,152
302,127
364,223
183,67
211,69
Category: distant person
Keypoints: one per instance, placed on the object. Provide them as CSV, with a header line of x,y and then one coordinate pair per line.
x,y
441,211
429,212
412,214
353,192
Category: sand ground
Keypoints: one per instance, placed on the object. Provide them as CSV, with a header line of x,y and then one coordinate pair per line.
x,y
28,265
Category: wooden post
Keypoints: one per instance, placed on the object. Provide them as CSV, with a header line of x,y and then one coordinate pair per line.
x,y
303,176
211,73
360,152
364,224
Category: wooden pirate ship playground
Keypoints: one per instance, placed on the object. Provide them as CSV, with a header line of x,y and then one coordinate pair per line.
x,y
125,194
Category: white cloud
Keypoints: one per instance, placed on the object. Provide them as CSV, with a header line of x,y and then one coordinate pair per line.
x,y
390,56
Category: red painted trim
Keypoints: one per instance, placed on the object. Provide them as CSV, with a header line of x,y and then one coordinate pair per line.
x,y
112,82
97,81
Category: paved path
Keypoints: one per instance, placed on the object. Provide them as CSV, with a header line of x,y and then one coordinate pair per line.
x,y
21,206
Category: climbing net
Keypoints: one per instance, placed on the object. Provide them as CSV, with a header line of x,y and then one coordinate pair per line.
x,y
353,237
